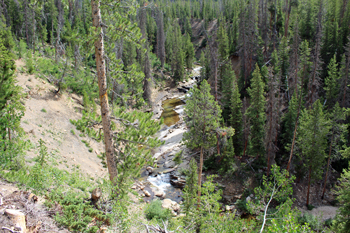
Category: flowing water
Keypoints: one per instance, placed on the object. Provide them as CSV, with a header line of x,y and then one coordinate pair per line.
x,y
169,115
161,181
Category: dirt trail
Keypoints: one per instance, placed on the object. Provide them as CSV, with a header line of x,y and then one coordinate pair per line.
x,y
47,116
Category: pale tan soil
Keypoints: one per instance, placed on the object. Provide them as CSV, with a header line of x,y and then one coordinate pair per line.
x,y
322,212
54,127
199,34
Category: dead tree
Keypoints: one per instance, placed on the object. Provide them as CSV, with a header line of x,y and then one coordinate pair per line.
x,y
272,118
293,81
102,84
160,37
314,82
59,28
248,40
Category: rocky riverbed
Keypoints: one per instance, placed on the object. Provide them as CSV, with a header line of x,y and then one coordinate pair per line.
x,y
166,179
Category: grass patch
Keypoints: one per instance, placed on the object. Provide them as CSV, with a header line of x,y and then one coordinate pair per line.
x,y
43,110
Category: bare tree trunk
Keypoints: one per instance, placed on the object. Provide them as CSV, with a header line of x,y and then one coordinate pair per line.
x,y
33,37
329,159
200,174
26,19
160,37
308,187
288,8
76,57
294,135
102,85
148,80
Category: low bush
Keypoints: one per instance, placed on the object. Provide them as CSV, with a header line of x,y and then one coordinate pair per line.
x,y
156,211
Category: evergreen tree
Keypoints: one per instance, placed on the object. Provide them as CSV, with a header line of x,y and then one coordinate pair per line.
x,y
226,74
204,115
256,114
341,223
11,110
331,82
205,64
177,62
191,189
337,131
344,78
236,120
312,142
189,51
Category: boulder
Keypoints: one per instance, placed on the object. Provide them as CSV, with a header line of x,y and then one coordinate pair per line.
x,y
179,183
149,169
159,193
147,194
171,205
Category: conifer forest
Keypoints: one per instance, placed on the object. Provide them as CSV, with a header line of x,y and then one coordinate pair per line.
x,y
175,116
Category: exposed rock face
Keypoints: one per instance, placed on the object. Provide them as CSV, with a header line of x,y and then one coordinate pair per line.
x,y
171,205
177,180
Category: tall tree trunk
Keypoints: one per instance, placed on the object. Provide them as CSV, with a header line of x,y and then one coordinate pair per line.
x,y
329,159
33,37
200,174
286,25
308,187
102,85
294,135
26,19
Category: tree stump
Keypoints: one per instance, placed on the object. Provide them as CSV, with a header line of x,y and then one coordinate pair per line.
x,y
18,219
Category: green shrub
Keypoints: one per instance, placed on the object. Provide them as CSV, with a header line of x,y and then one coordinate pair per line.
x,y
178,157
156,211
310,207
22,48
29,63
43,110
313,221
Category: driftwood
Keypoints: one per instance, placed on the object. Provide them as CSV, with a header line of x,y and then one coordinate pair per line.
x,y
157,229
18,219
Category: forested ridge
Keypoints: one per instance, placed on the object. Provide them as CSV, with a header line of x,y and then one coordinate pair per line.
x,y
269,111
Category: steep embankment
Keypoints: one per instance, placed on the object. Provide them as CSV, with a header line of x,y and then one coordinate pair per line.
x,y
47,117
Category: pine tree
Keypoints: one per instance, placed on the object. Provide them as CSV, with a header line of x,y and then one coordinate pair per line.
x,y
344,77
236,119
204,114
189,51
177,63
341,223
312,142
205,64
191,189
256,114
11,110
337,132
331,82
226,75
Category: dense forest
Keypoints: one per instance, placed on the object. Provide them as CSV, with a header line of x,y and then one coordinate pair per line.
x,y
271,102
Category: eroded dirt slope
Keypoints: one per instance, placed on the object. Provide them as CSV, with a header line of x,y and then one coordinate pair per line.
x,y
47,117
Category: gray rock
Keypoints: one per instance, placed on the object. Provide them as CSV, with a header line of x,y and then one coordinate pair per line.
x,y
169,164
